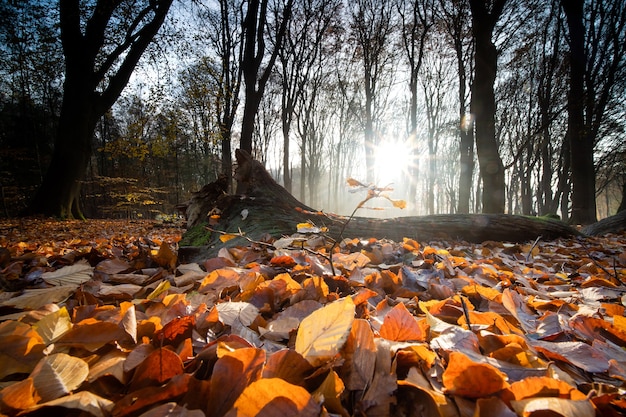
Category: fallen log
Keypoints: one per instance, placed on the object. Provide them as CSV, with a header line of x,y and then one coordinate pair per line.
x,y
264,207
611,224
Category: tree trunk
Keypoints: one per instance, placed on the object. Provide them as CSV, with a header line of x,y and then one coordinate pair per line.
x,y
580,141
267,209
87,68
59,192
483,104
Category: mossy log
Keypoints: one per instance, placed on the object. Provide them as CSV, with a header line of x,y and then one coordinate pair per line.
x,y
265,208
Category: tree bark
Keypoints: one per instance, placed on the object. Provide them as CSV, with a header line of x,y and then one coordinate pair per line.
x,y
254,26
612,224
483,105
266,209
580,141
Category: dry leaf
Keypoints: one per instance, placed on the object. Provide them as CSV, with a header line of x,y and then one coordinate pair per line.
x,y
84,401
273,397
553,407
470,379
233,372
54,325
401,326
57,375
323,333
75,275
159,367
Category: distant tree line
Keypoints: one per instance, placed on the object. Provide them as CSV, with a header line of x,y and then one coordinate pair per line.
x,y
122,109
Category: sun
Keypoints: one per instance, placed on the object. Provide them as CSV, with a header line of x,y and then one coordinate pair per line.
x,y
391,162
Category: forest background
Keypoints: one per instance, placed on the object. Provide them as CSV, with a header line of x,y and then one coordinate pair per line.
x,y
395,92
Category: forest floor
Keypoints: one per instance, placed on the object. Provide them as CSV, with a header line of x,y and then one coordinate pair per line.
x,y
100,318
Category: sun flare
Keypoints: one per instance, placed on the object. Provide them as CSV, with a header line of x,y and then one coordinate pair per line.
x,y
392,162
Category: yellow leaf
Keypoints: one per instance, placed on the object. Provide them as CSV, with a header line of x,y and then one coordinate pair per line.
x,y
53,325
322,333
163,286
274,397
226,237
330,391
401,204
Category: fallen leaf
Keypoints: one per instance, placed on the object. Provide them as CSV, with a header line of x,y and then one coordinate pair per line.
x,y
75,275
401,326
57,375
470,379
323,333
233,372
84,401
54,325
273,397
157,368
553,407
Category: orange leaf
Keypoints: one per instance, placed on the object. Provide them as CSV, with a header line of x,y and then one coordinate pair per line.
x,y
401,326
139,400
471,379
232,373
283,261
541,386
18,396
160,366
273,397
330,390
288,365
175,332
92,334
166,257
354,183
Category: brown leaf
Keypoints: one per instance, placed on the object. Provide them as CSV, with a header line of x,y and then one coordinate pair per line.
x,y
470,379
174,332
18,396
232,373
159,367
137,401
359,355
289,366
84,401
165,257
57,375
92,334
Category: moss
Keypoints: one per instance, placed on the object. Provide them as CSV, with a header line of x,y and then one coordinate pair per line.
x,y
196,236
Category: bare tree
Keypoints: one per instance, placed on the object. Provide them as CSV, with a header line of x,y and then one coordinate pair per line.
x,y
100,56
416,21
301,49
454,18
485,15
596,57
226,41
372,26
261,25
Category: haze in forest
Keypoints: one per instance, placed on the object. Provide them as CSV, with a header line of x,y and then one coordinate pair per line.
x,y
385,92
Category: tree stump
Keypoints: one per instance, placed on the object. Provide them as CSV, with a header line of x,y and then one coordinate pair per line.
x,y
266,208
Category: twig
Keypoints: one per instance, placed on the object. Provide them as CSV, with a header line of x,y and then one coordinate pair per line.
x,y
530,251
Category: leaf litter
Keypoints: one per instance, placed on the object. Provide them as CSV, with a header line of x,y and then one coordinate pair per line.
x,y
99,318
